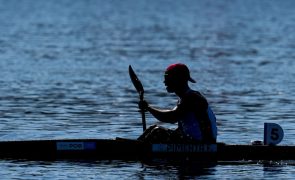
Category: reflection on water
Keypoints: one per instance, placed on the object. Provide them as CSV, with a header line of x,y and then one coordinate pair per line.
x,y
130,169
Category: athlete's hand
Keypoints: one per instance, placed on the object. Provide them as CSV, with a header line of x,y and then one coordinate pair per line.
x,y
143,105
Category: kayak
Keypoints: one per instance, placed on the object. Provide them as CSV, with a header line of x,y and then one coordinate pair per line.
x,y
128,149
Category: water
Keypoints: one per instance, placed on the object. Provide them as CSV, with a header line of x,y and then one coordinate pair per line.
x,y
64,74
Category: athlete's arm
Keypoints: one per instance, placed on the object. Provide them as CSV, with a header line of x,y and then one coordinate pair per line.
x,y
163,115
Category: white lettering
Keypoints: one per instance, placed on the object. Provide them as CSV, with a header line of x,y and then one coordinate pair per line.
x,y
66,146
184,148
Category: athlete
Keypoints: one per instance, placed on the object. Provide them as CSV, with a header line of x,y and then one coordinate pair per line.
x,y
196,121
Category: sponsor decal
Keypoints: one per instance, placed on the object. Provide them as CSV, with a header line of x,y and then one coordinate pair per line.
x,y
184,148
75,146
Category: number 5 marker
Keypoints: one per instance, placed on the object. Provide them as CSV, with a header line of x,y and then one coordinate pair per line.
x,y
273,134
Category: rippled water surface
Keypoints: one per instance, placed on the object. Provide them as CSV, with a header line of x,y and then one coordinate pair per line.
x,y
64,74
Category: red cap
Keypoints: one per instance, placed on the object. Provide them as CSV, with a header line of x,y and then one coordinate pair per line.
x,y
179,70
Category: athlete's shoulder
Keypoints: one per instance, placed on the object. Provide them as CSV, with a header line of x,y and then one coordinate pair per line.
x,y
195,95
195,98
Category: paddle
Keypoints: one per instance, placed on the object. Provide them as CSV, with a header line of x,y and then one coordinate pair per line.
x,y
139,88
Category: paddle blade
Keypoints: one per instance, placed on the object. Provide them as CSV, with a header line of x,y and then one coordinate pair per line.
x,y
136,82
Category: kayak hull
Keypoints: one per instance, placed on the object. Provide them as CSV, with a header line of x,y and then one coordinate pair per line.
x,y
127,149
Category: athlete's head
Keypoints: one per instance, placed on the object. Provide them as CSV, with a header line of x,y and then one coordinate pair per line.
x,y
176,77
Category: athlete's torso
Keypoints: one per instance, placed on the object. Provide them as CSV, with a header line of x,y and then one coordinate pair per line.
x,y
196,119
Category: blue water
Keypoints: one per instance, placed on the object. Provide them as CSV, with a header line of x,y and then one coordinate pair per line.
x,y
64,74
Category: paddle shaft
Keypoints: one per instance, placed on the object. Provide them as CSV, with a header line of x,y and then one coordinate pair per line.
x,y
142,113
